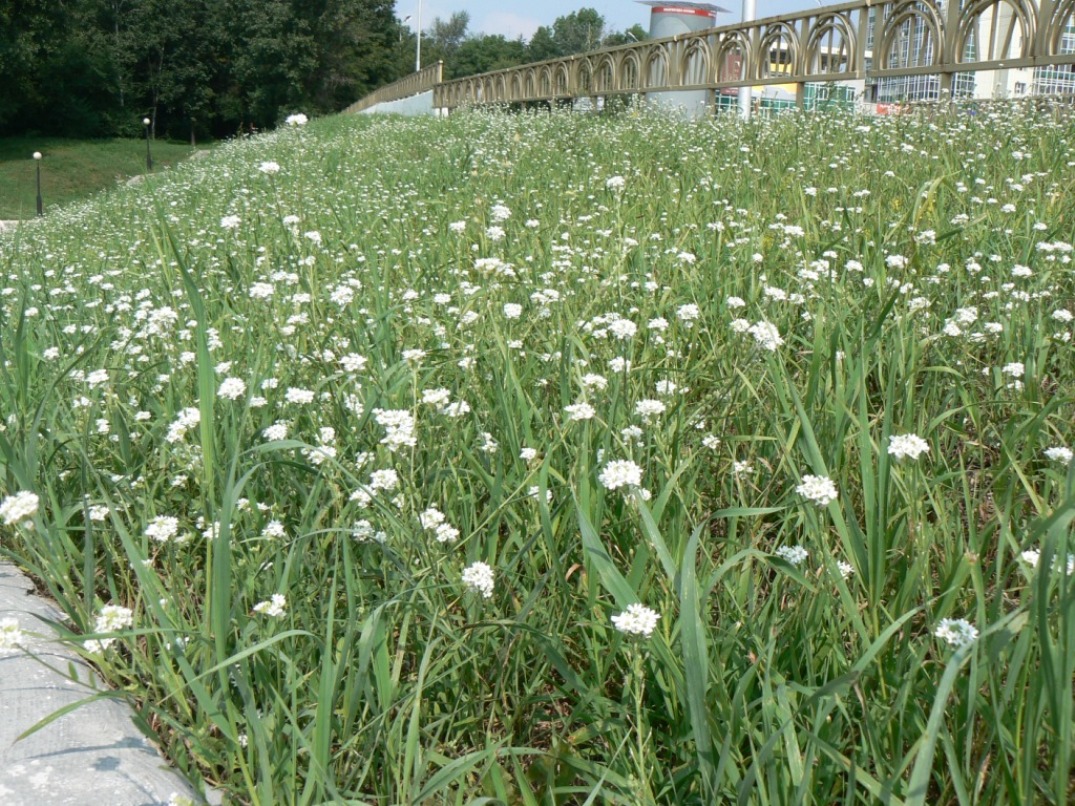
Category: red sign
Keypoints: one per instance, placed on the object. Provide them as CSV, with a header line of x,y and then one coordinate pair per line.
x,y
697,12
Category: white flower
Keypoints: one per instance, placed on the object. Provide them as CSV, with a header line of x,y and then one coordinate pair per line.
x,y
111,619
615,183
162,528
623,329
1015,369
276,606
846,569
479,577
1060,454
528,454
766,335
735,302
688,313
637,619
580,411
386,479
231,388
10,634
300,396
512,310
230,222
431,518
956,632
792,554
297,119
905,446
647,409
620,473
19,507
819,489
269,167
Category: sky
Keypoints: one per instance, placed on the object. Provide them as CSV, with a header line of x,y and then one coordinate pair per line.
x,y
514,18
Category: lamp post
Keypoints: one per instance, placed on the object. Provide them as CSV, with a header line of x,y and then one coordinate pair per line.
x,y
746,99
149,156
37,161
418,49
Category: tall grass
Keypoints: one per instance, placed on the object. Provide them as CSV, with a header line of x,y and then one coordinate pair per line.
x,y
222,345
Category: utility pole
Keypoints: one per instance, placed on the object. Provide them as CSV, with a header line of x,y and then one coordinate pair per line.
x,y
746,99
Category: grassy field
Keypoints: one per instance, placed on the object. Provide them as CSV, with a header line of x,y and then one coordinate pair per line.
x,y
72,169
568,459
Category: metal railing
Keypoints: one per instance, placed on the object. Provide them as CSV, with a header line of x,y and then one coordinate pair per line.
x,y
862,40
424,80
866,41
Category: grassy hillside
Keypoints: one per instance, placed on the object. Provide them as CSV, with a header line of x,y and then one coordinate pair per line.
x,y
568,459
72,169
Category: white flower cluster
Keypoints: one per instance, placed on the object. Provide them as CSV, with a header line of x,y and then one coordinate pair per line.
x,y
766,335
1060,454
231,388
19,507
162,528
10,634
110,619
399,428
819,489
620,473
907,446
433,520
637,620
479,577
1032,557
795,555
957,632
276,606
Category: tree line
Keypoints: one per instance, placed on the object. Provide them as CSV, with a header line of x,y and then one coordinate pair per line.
x,y
219,67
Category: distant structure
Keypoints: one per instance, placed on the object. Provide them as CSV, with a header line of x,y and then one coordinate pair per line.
x,y
675,19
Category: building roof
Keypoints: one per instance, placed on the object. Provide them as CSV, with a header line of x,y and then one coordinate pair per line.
x,y
675,4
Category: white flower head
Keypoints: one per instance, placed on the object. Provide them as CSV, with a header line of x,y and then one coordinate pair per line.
x,y
907,446
620,473
276,606
957,632
636,620
819,489
19,507
479,577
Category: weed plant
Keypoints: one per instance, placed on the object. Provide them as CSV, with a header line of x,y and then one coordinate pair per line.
x,y
374,426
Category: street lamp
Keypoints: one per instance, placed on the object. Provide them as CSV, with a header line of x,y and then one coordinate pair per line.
x,y
418,50
149,156
37,161
750,13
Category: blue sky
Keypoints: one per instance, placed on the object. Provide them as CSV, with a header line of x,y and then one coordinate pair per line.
x,y
522,17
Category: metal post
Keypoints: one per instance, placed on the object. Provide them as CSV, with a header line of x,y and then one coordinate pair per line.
x,y
418,49
746,100
37,160
149,156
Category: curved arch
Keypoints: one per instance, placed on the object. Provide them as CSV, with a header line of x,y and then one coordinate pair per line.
x,y
561,79
778,53
604,75
987,31
917,23
734,58
830,47
630,74
515,87
696,63
584,77
655,70
544,82
1058,41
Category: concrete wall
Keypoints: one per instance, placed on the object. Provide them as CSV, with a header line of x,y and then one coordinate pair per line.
x,y
420,104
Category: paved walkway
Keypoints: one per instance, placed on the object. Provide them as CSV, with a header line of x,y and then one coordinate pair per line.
x,y
93,756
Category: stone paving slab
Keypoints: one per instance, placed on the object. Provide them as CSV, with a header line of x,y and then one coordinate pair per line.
x,y
93,756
